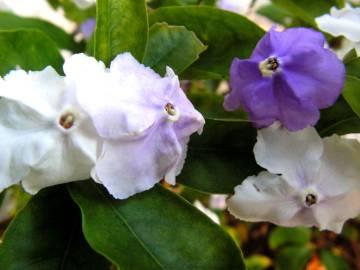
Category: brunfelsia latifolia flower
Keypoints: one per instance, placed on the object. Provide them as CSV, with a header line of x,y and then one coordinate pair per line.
x,y
343,22
45,138
310,181
143,119
288,78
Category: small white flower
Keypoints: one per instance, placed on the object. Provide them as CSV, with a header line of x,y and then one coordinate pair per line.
x,y
45,138
309,182
83,4
343,22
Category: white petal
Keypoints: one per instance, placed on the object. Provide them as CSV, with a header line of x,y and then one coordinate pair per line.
x,y
265,197
344,22
23,141
129,167
332,213
295,155
340,166
70,159
84,4
40,90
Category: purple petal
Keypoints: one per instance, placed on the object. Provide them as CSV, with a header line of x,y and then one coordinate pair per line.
x,y
315,76
88,27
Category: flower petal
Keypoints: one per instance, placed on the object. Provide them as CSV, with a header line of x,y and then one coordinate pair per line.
x,y
332,213
128,167
252,91
23,141
39,90
341,22
340,166
304,74
295,155
265,197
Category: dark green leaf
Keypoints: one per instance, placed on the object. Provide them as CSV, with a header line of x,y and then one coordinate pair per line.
x,y
353,67
172,46
155,229
307,10
63,40
226,34
275,14
46,234
294,258
289,236
351,93
333,262
164,3
121,26
28,49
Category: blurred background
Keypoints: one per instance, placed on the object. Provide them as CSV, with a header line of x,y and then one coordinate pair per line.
x,y
265,246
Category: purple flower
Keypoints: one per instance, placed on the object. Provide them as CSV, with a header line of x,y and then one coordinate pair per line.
x,y
88,27
289,77
144,121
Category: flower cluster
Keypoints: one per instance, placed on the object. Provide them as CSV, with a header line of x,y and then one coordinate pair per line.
x,y
309,181
125,125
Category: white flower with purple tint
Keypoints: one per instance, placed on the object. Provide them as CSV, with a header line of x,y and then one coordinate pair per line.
x,y
288,78
342,22
310,181
45,138
143,119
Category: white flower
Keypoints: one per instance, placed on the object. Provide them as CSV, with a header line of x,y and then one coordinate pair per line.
x,y
237,6
343,22
144,120
83,4
309,182
45,138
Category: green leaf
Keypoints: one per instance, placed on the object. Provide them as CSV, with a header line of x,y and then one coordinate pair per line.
x,y
289,236
333,262
163,3
353,66
121,26
155,229
172,46
351,93
72,11
28,49
226,34
63,40
294,258
221,158
307,10
275,14
46,234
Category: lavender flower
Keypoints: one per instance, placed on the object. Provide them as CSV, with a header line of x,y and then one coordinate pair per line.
x,y
289,77
310,181
88,27
144,121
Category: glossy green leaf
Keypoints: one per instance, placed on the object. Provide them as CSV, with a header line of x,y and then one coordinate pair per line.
x,y
172,46
46,234
307,10
63,40
294,258
281,236
29,50
333,262
226,34
121,26
155,229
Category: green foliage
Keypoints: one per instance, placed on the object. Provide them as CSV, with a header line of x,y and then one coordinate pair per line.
x,y
29,49
333,262
72,11
60,37
226,34
172,46
121,26
293,257
289,236
163,3
307,10
275,14
155,229
46,234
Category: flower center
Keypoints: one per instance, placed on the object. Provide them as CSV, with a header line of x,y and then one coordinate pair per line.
x,y
173,113
67,120
269,66
310,199
170,109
